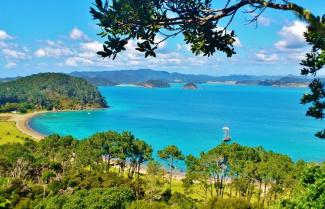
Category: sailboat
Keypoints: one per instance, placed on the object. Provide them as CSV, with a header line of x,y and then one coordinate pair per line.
x,y
226,131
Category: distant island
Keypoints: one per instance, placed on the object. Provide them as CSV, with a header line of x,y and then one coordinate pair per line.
x,y
49,91
191,86
141,76
154,84
288,81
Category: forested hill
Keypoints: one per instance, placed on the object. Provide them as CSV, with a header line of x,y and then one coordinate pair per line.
x,y
47,91
107,78
112,78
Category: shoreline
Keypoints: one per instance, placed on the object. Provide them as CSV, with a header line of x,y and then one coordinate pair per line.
x,y
22,123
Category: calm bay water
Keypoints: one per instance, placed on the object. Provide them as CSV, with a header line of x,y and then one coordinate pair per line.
x,y
192,120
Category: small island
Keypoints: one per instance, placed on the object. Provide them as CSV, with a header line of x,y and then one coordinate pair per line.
x,y
190,86
154,84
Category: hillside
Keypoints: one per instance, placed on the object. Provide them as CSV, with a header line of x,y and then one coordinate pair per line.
x,y
47,91
288,81
154,84
112,78
191,86
139,76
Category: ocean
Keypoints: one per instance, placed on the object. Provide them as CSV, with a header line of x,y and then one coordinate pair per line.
x,y
193,119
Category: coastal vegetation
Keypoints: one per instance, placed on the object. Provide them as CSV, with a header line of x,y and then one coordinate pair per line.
x,y
154,84
49,91
106,171
191,86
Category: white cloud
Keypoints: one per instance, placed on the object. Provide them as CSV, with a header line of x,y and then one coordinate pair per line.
x,y
261,19
182,47
237,42
263,56
4,35
77,34
292,36
10,65
11,53
89,49
159,39
78,61
53,51
94,46
40,53
3,44
264,21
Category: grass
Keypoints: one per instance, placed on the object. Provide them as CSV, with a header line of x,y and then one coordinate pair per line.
x,y
10,134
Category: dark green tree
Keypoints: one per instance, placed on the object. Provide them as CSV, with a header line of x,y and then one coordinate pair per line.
x,y
313,193
171,154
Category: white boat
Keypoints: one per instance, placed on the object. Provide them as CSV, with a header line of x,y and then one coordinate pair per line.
x,y
226,131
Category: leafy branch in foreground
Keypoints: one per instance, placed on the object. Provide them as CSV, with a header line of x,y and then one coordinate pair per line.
x,y
204,28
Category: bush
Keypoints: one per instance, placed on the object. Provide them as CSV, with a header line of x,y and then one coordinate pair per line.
x,y
112,198
234,203
150,205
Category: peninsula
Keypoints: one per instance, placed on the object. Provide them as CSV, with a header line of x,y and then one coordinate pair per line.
x,y
49,91
26,97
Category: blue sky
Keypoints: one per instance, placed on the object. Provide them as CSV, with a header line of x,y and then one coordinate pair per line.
x,y
60,36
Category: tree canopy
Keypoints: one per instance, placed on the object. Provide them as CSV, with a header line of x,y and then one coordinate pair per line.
x,y
201,26
171,154
97,172
47,91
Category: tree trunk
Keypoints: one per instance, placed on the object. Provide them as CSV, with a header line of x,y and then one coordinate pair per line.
x,y
211,188
108,163
44,190
264,195
230,193
171,173
259,192
221,185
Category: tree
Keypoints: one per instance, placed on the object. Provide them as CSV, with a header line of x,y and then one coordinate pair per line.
x,y
201,26
313,193
49,91
171,154
140,152
154,184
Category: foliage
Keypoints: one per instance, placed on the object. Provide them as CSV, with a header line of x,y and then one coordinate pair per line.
x,y
47,91
171,154
150,205
111,198
155,84
247,167
313,62
154,183
103,171
235,203
312,194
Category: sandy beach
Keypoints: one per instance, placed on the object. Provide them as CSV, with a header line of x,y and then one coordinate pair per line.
x,y
22,121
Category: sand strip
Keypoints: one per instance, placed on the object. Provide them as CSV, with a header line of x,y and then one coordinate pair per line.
x,y
22,121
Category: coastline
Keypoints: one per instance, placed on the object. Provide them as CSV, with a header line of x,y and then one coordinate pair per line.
x,y
22,123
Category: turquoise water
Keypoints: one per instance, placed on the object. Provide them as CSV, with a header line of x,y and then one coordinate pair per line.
x,y
192,120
